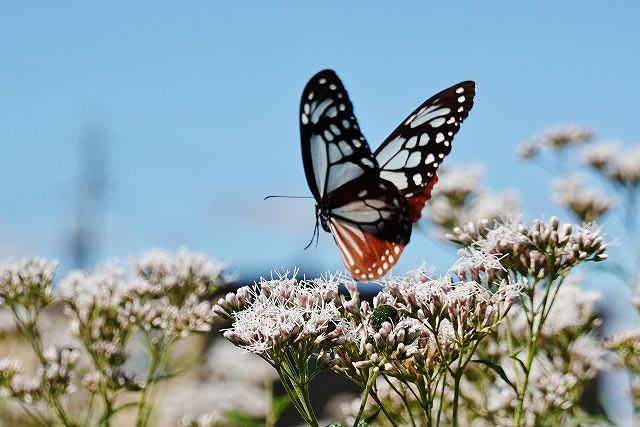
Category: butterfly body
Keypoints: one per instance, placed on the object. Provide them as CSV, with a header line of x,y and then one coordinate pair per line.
x,y
369,201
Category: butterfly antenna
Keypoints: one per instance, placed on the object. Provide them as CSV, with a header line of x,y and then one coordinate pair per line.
x,y
288,197
316,235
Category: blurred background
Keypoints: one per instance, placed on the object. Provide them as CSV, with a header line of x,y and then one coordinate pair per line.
x,y
127,127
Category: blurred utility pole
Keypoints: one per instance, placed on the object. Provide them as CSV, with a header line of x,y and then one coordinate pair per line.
x,y
92,181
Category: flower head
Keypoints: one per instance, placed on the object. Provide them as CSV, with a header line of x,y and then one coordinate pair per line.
x,y
27,282
587,204
559,137
285,311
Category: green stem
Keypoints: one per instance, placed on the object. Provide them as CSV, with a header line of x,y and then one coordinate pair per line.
x,y
375,397
425,403
165,356
535,331
89,413
37,417
511,347
441,403
270,417
293,396
373,374
295,389
403,396
154,362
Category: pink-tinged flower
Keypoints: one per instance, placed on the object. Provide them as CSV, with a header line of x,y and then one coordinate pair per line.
x,y
285,312
587,204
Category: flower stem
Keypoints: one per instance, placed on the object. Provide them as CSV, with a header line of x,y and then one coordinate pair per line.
x,y
373,374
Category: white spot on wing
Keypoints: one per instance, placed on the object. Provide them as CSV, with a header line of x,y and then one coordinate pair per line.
x,y
399,179
417,179
437,122
319,161
389,150
460,90
430,159
334,153
375,203
414,159
365,161
429,114
319,110
328,136
398,161
346,148
342,173
357,211
412,142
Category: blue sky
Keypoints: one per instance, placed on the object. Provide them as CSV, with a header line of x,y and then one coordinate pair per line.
x,y
200,105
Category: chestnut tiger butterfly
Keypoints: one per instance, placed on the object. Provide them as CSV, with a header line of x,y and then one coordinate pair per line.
x,y
369,201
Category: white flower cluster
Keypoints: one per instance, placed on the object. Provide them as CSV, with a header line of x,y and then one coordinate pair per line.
x,y
534,250
587,204
285,311
27,282
620,167
556,138
100,289
54,377
166,272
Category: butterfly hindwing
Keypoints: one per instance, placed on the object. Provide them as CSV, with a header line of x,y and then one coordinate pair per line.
x,y
371,224
411,155
375,206
366,256
334,151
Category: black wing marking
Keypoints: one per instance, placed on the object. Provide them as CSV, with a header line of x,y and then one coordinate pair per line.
x,y
373,205
334,150
410,156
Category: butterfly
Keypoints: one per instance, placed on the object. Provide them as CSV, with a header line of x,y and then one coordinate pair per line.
x,y
369,201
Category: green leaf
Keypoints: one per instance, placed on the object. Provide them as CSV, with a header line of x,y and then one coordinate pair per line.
x,y
243,419
369,419
279,405
336,424
498,370
514,356
578,421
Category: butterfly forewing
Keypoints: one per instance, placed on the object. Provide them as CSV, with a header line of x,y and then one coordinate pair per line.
x,y
334,150
411,155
